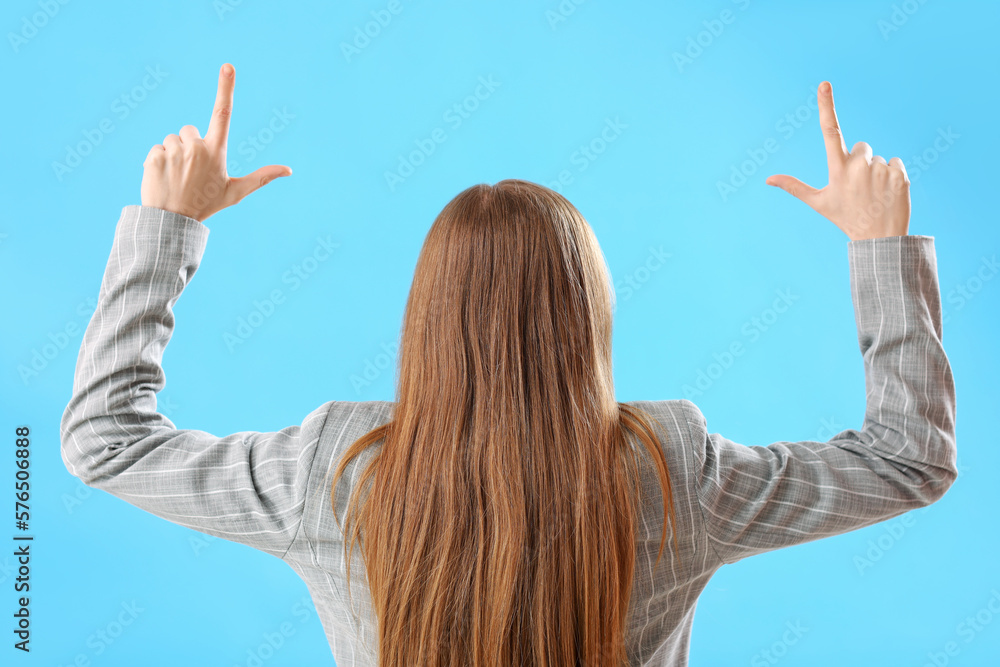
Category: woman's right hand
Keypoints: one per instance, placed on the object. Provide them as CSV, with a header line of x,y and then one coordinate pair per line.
x,y
866,197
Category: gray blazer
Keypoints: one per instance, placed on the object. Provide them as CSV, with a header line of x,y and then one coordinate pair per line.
x,y
271,490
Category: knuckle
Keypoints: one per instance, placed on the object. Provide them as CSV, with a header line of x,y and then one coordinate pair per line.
x,y
857,163
223,111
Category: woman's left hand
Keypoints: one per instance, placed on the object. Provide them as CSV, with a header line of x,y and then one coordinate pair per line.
x,y
187,174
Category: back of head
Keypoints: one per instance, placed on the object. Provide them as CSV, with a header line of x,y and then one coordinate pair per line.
x,y
497,519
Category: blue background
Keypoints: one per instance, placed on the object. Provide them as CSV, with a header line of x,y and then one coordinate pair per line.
x,y
655,188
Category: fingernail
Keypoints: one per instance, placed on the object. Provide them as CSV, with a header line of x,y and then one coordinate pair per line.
x,y
227,70
825,87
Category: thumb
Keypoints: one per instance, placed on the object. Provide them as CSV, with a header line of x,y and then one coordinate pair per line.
x,y
244,185
795,187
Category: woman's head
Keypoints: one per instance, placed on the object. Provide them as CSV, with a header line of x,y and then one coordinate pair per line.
x,y
497,519
511,295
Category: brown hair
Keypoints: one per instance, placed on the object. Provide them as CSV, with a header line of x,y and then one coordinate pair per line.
x,y
499,523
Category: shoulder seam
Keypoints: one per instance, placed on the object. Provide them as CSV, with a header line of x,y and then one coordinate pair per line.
x,y
697,495
309,475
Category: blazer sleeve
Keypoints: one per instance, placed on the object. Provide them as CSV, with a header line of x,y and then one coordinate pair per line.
x,y
247,487
756,499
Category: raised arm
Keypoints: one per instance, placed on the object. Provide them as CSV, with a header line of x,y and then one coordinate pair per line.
x,y
755,499
246,487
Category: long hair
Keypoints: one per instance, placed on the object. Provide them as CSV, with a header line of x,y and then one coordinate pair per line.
x,y
497,524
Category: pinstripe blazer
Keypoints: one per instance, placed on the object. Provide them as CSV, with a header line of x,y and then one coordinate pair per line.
x,y
271,490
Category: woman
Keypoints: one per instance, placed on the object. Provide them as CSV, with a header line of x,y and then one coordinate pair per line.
x,y
505,509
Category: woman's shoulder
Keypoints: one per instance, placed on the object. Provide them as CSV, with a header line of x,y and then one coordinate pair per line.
x,y
345,423
354,415
675,415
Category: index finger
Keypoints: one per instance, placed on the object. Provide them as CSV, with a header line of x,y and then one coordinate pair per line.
x,y
836,149
218,127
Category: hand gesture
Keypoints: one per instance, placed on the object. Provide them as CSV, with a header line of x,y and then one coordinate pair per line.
x,y
866,196
187,174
